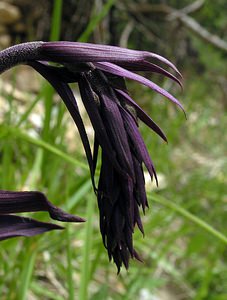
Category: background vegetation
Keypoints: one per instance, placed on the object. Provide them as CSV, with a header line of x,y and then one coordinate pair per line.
x,y
184,249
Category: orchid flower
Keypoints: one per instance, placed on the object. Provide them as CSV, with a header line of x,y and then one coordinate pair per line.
x,y
100,72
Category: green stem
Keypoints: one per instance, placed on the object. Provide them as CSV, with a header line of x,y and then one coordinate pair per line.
x,y
96,20
26,274
56,21
49,91
189,216
69,267
85,268
44,145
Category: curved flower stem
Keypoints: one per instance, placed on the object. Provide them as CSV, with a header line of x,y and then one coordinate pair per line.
x,y
19,54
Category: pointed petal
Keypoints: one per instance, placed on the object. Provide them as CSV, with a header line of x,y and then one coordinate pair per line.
x,y
114,69
138,142
85,52
14,202
13,226
142,115
137,219
146,66
95,152
115,125
140,192
67,96
92,109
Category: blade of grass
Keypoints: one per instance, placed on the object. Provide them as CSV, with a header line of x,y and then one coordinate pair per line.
x,y
56,20
26,275
7,152
70,281
48,90
26,114
189,216
80,193
45,293
95,20
34,174
7,157
14,132
85,268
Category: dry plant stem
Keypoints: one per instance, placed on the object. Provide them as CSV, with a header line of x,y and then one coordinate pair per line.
x,y
19,54
173,14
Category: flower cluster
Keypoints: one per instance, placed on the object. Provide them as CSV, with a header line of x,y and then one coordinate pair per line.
x,y
100,72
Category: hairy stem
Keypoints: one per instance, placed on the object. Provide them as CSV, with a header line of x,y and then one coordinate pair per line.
x,y
19,54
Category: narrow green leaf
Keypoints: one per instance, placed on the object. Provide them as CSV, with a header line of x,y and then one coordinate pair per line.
x,y
186,214
42,144
56,20
26,275
86,267
95,20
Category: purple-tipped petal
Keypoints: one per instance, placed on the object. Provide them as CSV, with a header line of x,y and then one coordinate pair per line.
x,y
138,142
92,109
145,66
67,96
117,70
13,226
85,52
140,191
137,219
142,115
95,152
115,127
16,202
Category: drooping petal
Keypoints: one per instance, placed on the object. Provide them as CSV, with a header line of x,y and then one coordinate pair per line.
x,y
92,109
140,192
67,96
117,70
95,152
146,66
115,127
137,219
115,197
137,142
13,226
16,202
85,52
142,115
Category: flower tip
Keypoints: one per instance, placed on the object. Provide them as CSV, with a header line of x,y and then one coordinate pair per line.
x,y
181,85
185,115
79,219
57,227
164,60
178,73
136,255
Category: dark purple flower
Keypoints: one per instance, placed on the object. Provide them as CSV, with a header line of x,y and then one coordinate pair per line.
x,y
100,72
18,202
